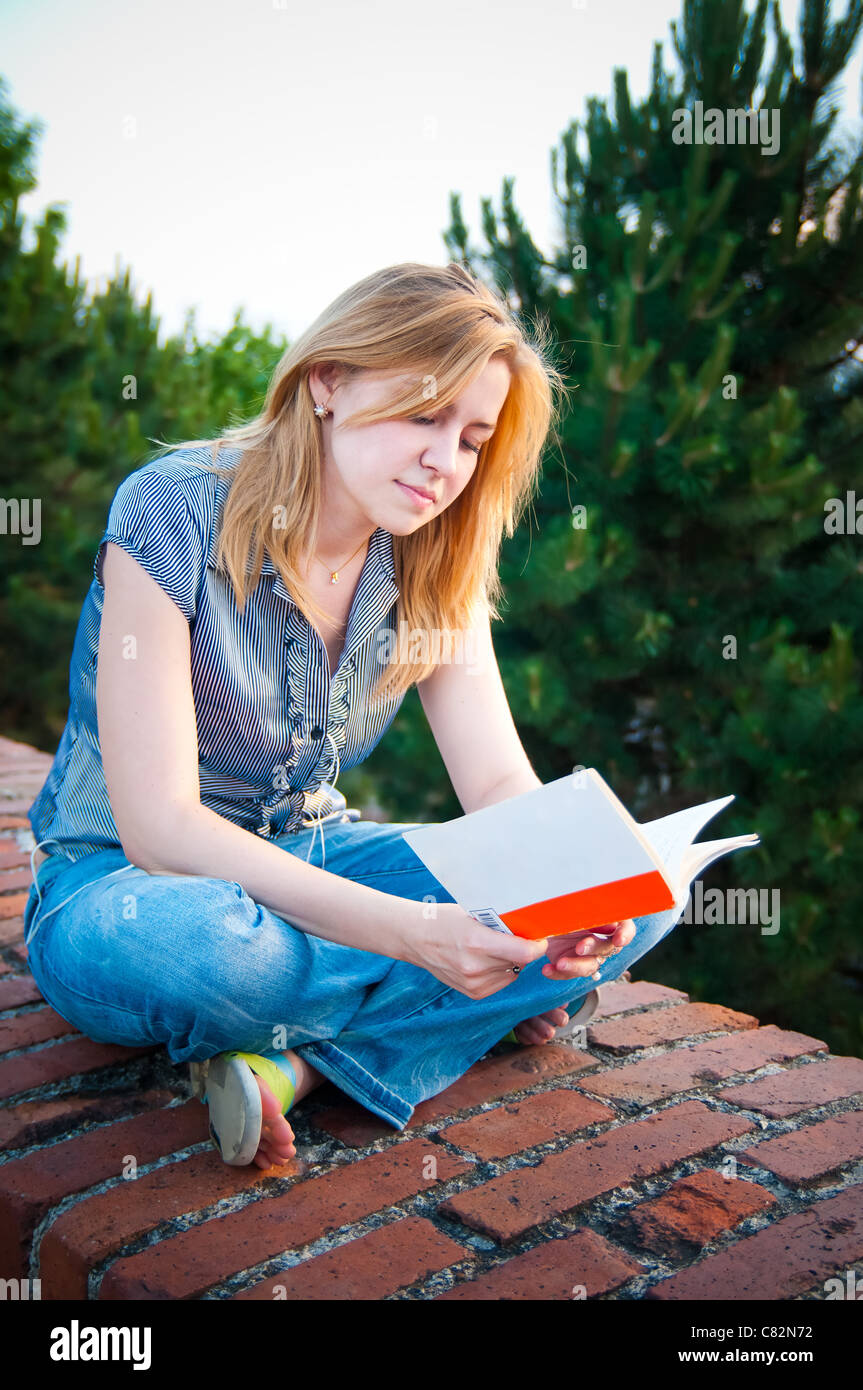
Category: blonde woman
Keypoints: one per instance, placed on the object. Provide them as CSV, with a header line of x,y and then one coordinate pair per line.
x,y
208,889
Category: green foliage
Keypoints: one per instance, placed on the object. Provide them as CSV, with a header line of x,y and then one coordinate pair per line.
x,y
702,634
85,390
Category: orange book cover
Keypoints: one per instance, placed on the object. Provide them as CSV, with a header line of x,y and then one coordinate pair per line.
x,y
567,857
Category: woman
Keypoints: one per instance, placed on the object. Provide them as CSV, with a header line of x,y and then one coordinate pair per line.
x,y
186,901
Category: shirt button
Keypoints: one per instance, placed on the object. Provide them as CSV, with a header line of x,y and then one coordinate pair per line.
x,y
317,732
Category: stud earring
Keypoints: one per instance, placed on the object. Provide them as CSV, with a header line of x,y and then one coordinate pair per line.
x,y
321,411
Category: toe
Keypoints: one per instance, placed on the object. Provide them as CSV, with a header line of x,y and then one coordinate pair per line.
x,y
277,1137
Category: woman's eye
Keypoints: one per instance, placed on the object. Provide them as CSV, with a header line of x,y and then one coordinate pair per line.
x,y
423,420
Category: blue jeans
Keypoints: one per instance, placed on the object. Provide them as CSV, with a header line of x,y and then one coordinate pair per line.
x,y
196,965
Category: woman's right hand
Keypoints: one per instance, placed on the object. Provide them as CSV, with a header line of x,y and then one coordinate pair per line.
x,y
460,951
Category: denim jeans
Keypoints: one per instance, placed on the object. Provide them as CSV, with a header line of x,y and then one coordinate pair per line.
x,y
196,965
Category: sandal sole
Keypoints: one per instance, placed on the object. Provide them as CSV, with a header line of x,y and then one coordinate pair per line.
x,y
584,1015
234,1101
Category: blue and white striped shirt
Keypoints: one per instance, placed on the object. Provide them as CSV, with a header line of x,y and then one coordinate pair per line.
x,y
269,716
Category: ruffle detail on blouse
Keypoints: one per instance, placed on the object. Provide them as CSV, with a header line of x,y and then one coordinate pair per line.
x,y
304,797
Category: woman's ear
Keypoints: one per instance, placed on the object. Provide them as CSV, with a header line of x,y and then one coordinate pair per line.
x,y
317,386
323,380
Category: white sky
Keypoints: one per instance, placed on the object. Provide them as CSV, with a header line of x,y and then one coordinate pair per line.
x,y
268,153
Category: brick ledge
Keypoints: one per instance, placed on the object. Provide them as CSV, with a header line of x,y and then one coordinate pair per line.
x,y
685,1152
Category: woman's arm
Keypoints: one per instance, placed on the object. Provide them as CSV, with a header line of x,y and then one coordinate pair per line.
x,y
468,713
148,737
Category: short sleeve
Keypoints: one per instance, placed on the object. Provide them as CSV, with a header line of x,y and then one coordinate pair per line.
x,y
151,519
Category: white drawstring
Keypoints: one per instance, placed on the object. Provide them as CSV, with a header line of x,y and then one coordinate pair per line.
x,y
319,822
33,874
31,935
49,841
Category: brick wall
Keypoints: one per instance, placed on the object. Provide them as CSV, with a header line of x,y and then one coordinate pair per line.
x,y
683,1152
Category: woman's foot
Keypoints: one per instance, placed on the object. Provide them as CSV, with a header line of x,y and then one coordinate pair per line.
x,y
277,1137
541,1028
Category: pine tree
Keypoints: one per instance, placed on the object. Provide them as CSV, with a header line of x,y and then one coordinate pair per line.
x,y
85,391
697,629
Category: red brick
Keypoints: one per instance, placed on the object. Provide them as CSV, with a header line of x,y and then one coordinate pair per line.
x,y
693,1211
11,855
557,1269
782,1261
811,1151
11,927
4,968
24,781
522,1124
20,952
703,1064
187,1264
13,822
12,906
14,752
77,1057
666,1026
371,1267
513,1203
17,990
15,878
32,1185
94,1228
488,1079
24,1030
34,1121
799,1088
635,994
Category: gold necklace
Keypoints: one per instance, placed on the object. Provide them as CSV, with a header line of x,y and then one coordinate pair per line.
x,y
334,574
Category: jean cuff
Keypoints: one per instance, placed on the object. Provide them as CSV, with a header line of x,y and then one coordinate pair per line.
x,y
349,1076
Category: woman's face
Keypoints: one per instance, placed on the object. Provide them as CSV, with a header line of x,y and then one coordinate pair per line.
x,y
370,469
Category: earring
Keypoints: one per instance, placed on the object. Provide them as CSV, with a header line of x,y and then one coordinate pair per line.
x,y
321,411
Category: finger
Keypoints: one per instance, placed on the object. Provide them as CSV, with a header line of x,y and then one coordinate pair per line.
x,y
625,933
515,950
569,968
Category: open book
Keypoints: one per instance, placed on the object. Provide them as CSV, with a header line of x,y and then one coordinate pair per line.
x,y
568,857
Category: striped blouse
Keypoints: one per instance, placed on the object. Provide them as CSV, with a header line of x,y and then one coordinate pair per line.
x,y
269,716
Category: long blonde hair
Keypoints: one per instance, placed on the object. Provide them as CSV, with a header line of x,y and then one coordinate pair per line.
x,y
444,325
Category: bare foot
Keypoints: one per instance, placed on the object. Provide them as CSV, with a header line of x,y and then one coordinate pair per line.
x,y
277,1138
540,1028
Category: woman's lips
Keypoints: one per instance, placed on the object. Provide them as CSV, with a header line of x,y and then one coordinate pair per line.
x,y
418,497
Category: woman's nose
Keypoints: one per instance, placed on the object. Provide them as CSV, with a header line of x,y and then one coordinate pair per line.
x,y
442,456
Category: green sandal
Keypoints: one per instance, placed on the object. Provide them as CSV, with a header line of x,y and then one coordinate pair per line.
x,y
225,1083
587,1008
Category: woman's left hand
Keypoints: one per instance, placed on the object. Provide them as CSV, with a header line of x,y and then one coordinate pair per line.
x,y
577,954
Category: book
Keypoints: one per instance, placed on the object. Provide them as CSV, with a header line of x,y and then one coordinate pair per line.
x,y
569,857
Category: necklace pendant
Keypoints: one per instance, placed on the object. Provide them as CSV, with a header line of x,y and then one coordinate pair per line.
x,y
334,577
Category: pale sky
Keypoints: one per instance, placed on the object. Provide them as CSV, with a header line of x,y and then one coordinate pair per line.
x,y
269,153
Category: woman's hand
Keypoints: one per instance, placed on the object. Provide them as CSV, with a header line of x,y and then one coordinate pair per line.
x,y
581,953
474,959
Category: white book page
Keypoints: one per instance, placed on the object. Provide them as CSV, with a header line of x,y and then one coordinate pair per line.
x,y
699,856
671,836
561,838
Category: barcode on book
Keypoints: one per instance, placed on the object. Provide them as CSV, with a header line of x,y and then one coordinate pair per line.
x,y
489,918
